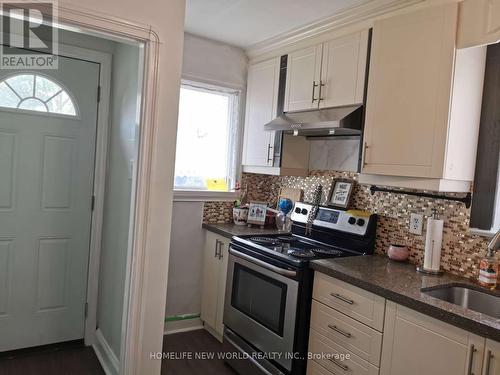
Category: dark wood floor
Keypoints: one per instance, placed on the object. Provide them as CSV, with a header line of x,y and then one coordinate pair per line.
x,y
199,341
76,359
62,359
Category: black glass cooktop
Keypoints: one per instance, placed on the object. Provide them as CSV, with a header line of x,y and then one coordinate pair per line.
x,y
297,247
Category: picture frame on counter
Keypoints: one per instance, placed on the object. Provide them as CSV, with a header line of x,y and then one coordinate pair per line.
x,y
257,213
341,193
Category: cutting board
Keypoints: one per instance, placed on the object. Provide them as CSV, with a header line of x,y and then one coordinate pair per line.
x,y
293,194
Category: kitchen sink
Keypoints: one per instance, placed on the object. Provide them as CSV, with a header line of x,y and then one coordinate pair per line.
x,y
465,296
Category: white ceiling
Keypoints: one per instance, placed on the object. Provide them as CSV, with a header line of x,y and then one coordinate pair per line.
x,y
245,22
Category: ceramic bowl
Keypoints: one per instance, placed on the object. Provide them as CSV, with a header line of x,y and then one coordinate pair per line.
x,y
399,253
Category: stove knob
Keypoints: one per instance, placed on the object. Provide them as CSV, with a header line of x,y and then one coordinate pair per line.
x,y
352,220
297,210
304,211
361,222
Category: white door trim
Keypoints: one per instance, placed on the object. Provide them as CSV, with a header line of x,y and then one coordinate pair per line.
x,y
142,290
146,276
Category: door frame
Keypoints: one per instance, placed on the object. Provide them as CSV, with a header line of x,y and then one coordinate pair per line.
x,y
147,261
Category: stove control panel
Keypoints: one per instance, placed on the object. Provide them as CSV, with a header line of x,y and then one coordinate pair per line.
x,y
355,222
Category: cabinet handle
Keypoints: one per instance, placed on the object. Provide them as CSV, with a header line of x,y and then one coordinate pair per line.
x,y
471,360
336,329
314,89
365,146
487,365
343,367
342,298
269,158
216,248
321,84
220,249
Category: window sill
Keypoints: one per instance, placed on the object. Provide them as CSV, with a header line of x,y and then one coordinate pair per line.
x,y
204,196
483,233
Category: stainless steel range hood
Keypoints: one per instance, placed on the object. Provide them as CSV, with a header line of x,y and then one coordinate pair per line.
x,y
336,121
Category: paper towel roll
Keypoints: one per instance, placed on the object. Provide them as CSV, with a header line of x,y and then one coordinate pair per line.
x,y
433,242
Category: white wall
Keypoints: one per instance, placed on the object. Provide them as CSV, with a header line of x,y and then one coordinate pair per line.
x,y
185,272
121,152
166,19
215,63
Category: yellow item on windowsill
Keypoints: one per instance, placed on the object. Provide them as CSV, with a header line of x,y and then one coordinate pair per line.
x,y
359,213
217,184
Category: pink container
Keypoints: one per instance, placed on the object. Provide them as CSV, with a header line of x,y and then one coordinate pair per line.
x,y
399,253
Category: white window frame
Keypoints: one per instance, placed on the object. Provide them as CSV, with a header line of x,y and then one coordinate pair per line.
x,y
234,160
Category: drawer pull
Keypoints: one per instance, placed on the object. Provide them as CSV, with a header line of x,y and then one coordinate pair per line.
x,y
343,367
342,298
336,329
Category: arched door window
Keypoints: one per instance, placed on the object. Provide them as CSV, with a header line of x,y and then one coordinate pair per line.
x,y
34,92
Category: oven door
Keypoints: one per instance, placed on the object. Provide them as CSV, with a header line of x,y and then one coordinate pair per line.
x,y
261,305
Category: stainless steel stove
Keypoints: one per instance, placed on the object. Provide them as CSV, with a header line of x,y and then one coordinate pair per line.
x,y
269,287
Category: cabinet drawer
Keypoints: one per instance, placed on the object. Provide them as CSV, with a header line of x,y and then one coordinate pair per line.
x,y
363,306
323,351
313,368
348,333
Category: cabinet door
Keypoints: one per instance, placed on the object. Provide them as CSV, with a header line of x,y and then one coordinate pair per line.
x,y
211,267
479,23
411,75
262,98
302,79
416,344
491,364
221,286
343,70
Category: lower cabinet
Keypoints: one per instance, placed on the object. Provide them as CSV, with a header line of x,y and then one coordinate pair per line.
x,y
214,282
416,344
346,329
491,361
347,338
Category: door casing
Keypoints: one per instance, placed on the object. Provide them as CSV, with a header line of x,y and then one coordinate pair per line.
x,y
147,262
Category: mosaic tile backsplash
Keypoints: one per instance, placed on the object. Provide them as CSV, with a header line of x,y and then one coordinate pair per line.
x,y
461,251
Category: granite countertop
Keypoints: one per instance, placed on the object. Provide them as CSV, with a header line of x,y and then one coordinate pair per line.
x,y
399,282
230,230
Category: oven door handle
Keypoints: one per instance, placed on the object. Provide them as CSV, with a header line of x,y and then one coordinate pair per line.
x,y
253,360
261,263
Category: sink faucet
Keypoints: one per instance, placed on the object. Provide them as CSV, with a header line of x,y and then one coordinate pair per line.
x,y
494,244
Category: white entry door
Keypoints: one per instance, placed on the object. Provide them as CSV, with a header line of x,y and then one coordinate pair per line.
x,y
46,184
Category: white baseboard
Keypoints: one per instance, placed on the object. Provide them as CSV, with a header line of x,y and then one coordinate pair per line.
x,y
183,326
105,354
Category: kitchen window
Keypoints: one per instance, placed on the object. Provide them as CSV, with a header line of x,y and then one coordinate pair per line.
x,y
207,139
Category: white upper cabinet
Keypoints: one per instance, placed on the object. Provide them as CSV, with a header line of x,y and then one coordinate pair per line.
x,y
423,104
262,99
479,23
302,79
343,70
327,75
